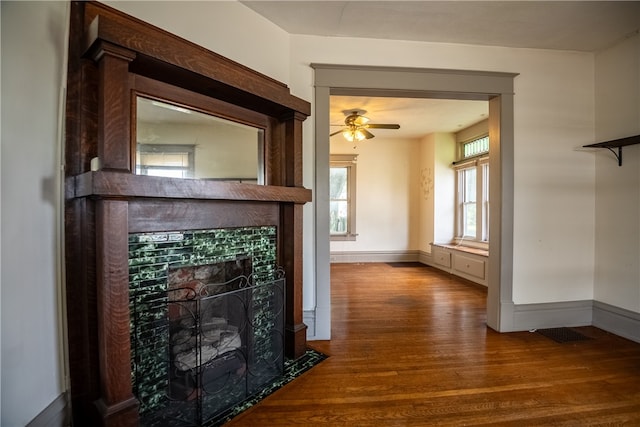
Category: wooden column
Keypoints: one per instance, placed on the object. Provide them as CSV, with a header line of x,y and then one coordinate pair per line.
x,y
291,235
114,106
291,232
117,405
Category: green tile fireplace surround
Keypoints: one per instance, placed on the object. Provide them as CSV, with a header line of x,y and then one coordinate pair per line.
x,y
152,258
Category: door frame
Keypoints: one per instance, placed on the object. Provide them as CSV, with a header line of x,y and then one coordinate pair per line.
x,y
398,82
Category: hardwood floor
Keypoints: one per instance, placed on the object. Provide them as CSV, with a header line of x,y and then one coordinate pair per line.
x,y
410,347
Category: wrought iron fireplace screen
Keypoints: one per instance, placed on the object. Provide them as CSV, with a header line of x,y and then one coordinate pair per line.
x,y
224,343
207,321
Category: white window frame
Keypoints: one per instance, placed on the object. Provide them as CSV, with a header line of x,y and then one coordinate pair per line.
x,y
475,144
349,162
481,165
186,171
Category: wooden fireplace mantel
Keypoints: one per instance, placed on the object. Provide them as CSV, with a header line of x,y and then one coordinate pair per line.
x,y
161,53
113,184
112,57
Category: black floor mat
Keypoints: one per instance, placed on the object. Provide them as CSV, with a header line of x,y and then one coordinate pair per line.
x,y
406,264
562,335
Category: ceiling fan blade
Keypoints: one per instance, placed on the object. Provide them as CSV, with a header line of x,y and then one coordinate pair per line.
x,y
366,133
382,126
337,132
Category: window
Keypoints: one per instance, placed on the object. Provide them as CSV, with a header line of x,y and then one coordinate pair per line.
x,y
472,196
174,161
342,196
475,147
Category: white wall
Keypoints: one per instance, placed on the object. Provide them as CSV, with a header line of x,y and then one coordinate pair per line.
x,y
34,43
554,113
386,184
474,131
444,178
426,196
437,190
617,270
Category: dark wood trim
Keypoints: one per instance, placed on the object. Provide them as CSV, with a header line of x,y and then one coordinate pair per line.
x,y
126,185
82,308
81,101
161,91
114,116
293,150
157,48
291,255
152,215
123,414
112,58
114,344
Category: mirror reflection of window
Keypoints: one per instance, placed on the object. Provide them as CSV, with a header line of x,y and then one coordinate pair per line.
x,y
174,141
172,161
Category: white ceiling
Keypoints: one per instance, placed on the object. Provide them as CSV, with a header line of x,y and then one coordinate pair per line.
x,y
416,116
568,25
586,26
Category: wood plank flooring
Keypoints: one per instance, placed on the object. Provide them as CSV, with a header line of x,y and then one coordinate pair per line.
x,y
410,347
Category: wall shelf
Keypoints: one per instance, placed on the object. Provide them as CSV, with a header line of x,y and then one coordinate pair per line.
x,y
616,143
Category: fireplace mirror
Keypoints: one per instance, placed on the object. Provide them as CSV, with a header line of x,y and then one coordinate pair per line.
x,y
178,142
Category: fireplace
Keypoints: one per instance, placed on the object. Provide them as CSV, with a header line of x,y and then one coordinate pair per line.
x,y
128,235
207,323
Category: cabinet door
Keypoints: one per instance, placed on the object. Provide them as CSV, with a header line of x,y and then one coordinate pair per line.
x,y
468,265
442,258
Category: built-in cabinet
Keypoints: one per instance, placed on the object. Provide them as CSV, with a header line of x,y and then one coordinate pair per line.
x,y
468,263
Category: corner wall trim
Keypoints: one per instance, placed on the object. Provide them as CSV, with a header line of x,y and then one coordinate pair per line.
x,y
54,415
552,315
309,319
616,320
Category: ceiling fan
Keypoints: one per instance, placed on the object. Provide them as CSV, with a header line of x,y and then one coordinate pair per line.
x,y
356,125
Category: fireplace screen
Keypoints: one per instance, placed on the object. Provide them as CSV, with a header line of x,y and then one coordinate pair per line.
x,y
208,339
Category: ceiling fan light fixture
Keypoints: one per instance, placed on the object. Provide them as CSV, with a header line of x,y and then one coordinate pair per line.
x,y
357,125
356,119
353,135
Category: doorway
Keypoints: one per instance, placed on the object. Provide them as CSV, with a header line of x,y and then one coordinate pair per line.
x,y
497,88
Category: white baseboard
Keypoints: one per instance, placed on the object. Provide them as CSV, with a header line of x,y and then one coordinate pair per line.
x,y
425,258
374,256
309,319
57,414
552,315
616,320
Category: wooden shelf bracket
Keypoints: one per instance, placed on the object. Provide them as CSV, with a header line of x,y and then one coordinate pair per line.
x,y
616,143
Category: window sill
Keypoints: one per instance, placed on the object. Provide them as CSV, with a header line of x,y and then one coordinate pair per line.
x,y
343,238
461,248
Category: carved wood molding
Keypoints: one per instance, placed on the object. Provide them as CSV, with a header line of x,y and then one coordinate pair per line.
x,y
156,47
110,184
